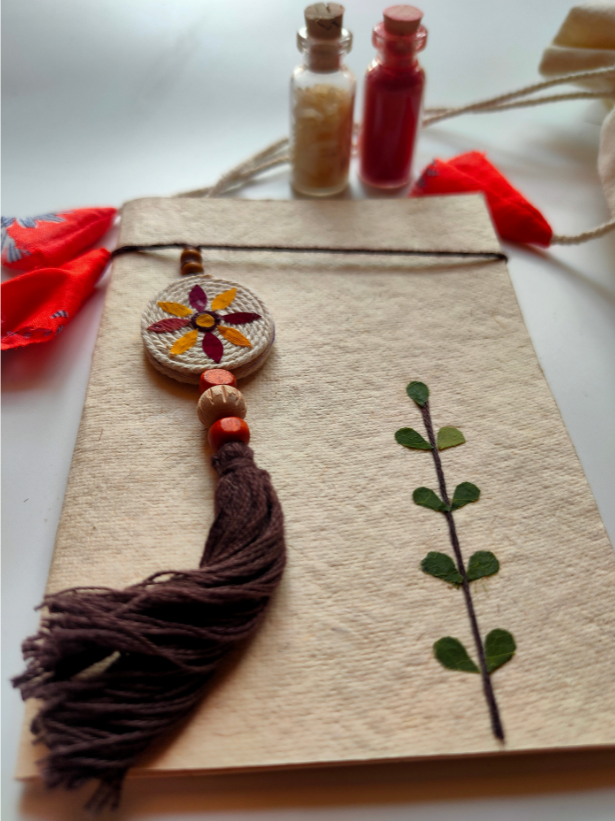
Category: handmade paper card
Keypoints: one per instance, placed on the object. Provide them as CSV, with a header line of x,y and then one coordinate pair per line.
x,y
407,426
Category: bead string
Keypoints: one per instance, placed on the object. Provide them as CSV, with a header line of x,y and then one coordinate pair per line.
x,y
221,407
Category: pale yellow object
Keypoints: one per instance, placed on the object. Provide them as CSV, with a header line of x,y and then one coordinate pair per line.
x,y
585,41
322,136
220,401
342,669
606,160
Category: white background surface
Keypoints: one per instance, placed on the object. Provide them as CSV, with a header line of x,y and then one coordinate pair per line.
x,y
105,102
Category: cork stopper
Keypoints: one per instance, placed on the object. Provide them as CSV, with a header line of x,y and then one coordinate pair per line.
x,y
402,20
324,21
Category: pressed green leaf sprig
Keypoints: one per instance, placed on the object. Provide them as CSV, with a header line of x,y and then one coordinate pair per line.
x,y
499,646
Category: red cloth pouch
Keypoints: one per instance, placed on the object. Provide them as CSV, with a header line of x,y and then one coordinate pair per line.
x,y
515,219
37,305
52,239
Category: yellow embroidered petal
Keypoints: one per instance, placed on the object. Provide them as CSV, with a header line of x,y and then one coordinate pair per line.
x,y
205,321
175,308
184,342
234,336
223,300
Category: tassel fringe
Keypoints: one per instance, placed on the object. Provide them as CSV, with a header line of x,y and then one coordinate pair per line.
x,y
116,669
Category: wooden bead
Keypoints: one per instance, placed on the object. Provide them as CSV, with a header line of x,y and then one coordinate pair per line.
x,y
191,254
218,402
192,267
216,376
229,429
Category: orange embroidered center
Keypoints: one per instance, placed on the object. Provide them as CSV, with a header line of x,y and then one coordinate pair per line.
x,y
205,321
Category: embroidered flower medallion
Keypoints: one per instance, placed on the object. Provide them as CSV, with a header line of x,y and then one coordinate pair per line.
x,y
208,322
213,322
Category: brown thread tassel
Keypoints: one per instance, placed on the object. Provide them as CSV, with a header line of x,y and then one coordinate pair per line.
x,y
155,644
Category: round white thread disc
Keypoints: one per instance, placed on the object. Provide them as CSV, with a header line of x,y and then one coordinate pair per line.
x,y
209,323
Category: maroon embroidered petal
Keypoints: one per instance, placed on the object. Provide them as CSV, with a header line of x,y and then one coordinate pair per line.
x,y
242,318
165,325
213,347
198,298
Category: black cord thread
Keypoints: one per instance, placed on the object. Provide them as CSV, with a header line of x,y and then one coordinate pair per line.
x,y
311,249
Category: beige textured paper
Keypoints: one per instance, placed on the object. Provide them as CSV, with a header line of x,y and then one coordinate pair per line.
x,y
343,668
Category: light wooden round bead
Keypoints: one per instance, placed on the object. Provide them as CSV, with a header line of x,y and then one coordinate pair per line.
x,y
218,402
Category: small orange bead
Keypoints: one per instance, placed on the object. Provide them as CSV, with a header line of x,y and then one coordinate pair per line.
x,y
229,429
191,254
216,376
192,267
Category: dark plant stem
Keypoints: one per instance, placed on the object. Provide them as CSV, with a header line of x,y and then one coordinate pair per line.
x,y
496,723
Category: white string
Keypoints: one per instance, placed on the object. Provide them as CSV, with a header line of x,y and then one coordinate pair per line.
x,y
491,102
487,109
278,153
274,154
575,239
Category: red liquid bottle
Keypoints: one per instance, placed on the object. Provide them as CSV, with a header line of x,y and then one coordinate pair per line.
x,y
394,86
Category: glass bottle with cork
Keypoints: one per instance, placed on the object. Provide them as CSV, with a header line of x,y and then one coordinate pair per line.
x,y
322,103
394,86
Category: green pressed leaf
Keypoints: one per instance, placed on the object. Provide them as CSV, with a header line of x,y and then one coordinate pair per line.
x,y
442,567
449,438
465,493
499,648
482,563
427,498
452,654
410,438
419,392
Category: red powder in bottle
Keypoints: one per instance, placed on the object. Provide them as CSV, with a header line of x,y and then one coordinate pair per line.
x,y
394,86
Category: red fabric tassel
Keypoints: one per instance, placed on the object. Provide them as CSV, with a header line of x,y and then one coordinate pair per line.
x,y
52,239
515,219
37,305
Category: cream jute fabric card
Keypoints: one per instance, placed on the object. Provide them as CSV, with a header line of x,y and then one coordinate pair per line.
x,y
343,667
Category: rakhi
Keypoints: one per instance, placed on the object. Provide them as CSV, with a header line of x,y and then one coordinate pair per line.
x,y
116,669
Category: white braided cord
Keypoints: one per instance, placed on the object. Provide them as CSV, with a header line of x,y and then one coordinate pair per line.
x,y
488,109
493,103
272,155
576,239
278,152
